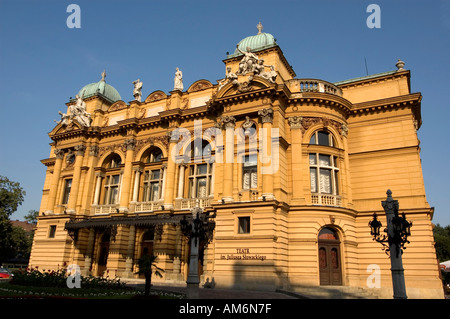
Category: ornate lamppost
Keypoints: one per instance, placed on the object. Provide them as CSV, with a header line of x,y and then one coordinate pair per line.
x,y
199,229
398,229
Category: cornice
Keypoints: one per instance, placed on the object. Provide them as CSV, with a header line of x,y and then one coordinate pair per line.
x,y
409,100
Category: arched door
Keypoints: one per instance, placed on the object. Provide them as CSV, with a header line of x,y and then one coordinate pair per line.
x,y
329,258
103,253
147,245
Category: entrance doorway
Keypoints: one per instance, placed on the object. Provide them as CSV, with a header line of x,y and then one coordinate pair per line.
x,y
147,245
329,257
103,253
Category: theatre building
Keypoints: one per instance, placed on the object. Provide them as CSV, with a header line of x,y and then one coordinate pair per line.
x,y
286,172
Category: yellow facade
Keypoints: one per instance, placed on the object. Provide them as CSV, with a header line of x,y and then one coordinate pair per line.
x,y
291,215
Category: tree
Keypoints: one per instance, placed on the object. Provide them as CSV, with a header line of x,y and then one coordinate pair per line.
x,y
442,240
11,196
146,264
32,216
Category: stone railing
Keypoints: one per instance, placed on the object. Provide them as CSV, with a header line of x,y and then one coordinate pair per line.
x,y
326,200
188,203
104,209
313,85
147,207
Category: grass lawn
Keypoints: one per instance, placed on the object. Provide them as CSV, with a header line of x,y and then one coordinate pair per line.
x,y
8,290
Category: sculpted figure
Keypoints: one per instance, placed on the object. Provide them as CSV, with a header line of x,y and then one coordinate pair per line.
x,y
78,111
248,62
178,80
230,77
137,90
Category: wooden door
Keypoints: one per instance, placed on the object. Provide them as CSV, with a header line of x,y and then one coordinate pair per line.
x,y
329,258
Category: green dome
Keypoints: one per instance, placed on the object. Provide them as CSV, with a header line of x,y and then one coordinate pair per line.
x,y
256,42
102,88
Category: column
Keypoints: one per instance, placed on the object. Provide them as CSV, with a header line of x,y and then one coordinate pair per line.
x,y
98,184
88,254
163,187
229,123
181,180
126,179
295,123
89,181
73,197
130,253
211,192
171,166
137,177
267,162
55,181
348,187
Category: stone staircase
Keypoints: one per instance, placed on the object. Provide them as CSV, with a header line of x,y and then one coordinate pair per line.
x,y
330,292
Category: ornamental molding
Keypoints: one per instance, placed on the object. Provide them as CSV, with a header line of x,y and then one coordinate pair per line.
x,y
266,115
150,141
307,122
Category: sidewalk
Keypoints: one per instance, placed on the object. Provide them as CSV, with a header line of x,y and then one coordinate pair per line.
x,y
219,293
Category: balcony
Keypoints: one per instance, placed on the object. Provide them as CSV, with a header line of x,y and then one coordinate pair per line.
x,y
105,209
147,206
313,85
326,200
188,203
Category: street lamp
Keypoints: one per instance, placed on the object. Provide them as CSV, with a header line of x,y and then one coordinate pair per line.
x,y
200,229
397,232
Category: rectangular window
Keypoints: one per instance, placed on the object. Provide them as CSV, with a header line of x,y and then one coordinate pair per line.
x,y
323,174
52,231
66,193
244,225
200,180
112,189
152,185
250,172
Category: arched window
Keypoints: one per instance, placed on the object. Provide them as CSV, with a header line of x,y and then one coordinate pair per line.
x,y
323,138
324,169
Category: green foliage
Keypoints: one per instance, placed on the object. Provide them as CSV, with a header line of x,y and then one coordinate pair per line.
x,y
32,216
146,265
442,240
11,196
58,278
21,242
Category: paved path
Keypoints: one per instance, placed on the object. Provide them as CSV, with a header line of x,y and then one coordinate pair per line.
x,y
219,293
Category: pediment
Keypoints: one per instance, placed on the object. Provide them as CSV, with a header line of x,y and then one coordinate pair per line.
x,y
156,96
200,85
243,85
116,106
62,128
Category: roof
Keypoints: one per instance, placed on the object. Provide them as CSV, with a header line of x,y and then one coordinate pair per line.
x,y
25,225
100,88
367,77
257,42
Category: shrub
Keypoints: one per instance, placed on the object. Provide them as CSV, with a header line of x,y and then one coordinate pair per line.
x,y
58,278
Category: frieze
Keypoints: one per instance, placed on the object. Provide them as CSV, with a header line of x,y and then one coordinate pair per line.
x,y
111,148
164,140
307,122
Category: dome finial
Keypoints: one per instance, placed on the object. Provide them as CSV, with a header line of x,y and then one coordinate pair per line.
x,y
103,75
259,27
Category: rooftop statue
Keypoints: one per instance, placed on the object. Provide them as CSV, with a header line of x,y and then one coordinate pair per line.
x,y
248,62
230,77
77,112
178,80
137,90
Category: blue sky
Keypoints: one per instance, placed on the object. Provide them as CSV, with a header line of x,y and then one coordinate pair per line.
x,y
43,62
